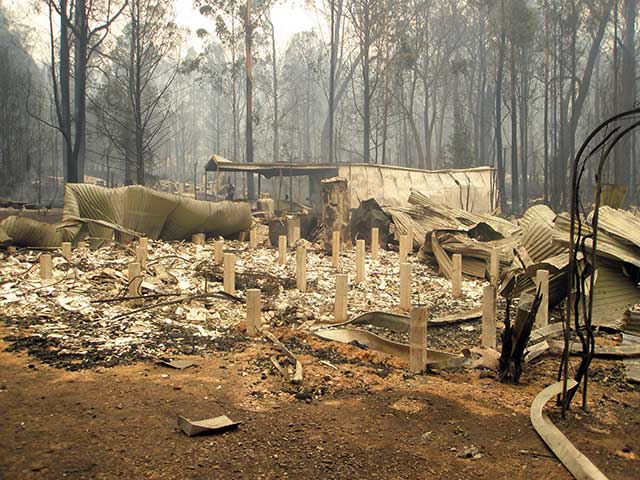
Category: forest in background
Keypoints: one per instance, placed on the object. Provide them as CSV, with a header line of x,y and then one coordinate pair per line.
x,y
433,84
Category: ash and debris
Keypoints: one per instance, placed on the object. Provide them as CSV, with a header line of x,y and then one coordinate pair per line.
x,y
79,320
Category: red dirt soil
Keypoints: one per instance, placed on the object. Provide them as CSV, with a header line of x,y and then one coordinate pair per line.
x,y
358,420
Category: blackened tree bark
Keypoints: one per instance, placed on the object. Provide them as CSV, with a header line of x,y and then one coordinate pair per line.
x,y
627,97
498,117
78,37
515,184
248,59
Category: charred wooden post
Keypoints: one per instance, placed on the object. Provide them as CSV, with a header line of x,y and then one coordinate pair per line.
x,y
418,339
489,317
515,337
46,267
141,256
253,239
301,268
229,274
282,250
335,210
403,248
542,283
375,243
254,308
293,229
405,286
335,249
456,278
66,251
360,267
218,251
340,308
135,281
197,238
494,268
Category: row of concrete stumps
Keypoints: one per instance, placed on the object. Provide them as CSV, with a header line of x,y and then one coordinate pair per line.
x,y
418,314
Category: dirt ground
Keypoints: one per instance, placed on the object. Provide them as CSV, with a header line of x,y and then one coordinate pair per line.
x,y
357,414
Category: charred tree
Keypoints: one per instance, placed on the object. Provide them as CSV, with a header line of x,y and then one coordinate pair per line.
x,y
515,337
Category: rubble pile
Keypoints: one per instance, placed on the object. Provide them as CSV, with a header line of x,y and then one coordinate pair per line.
x,y
82,318
538,240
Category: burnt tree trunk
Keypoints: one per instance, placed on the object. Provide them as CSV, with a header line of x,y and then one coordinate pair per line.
x,y
335,210
515,338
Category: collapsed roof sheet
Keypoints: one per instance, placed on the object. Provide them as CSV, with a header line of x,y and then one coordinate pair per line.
x,y
613,294
434,215
134,210
620,224
535,215
608,246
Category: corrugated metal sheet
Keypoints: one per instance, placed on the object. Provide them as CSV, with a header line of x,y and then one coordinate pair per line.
x,y
608,246
613,294
631,365
446,215
536,215
100,211
467,189
538,241
632,321
620,224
